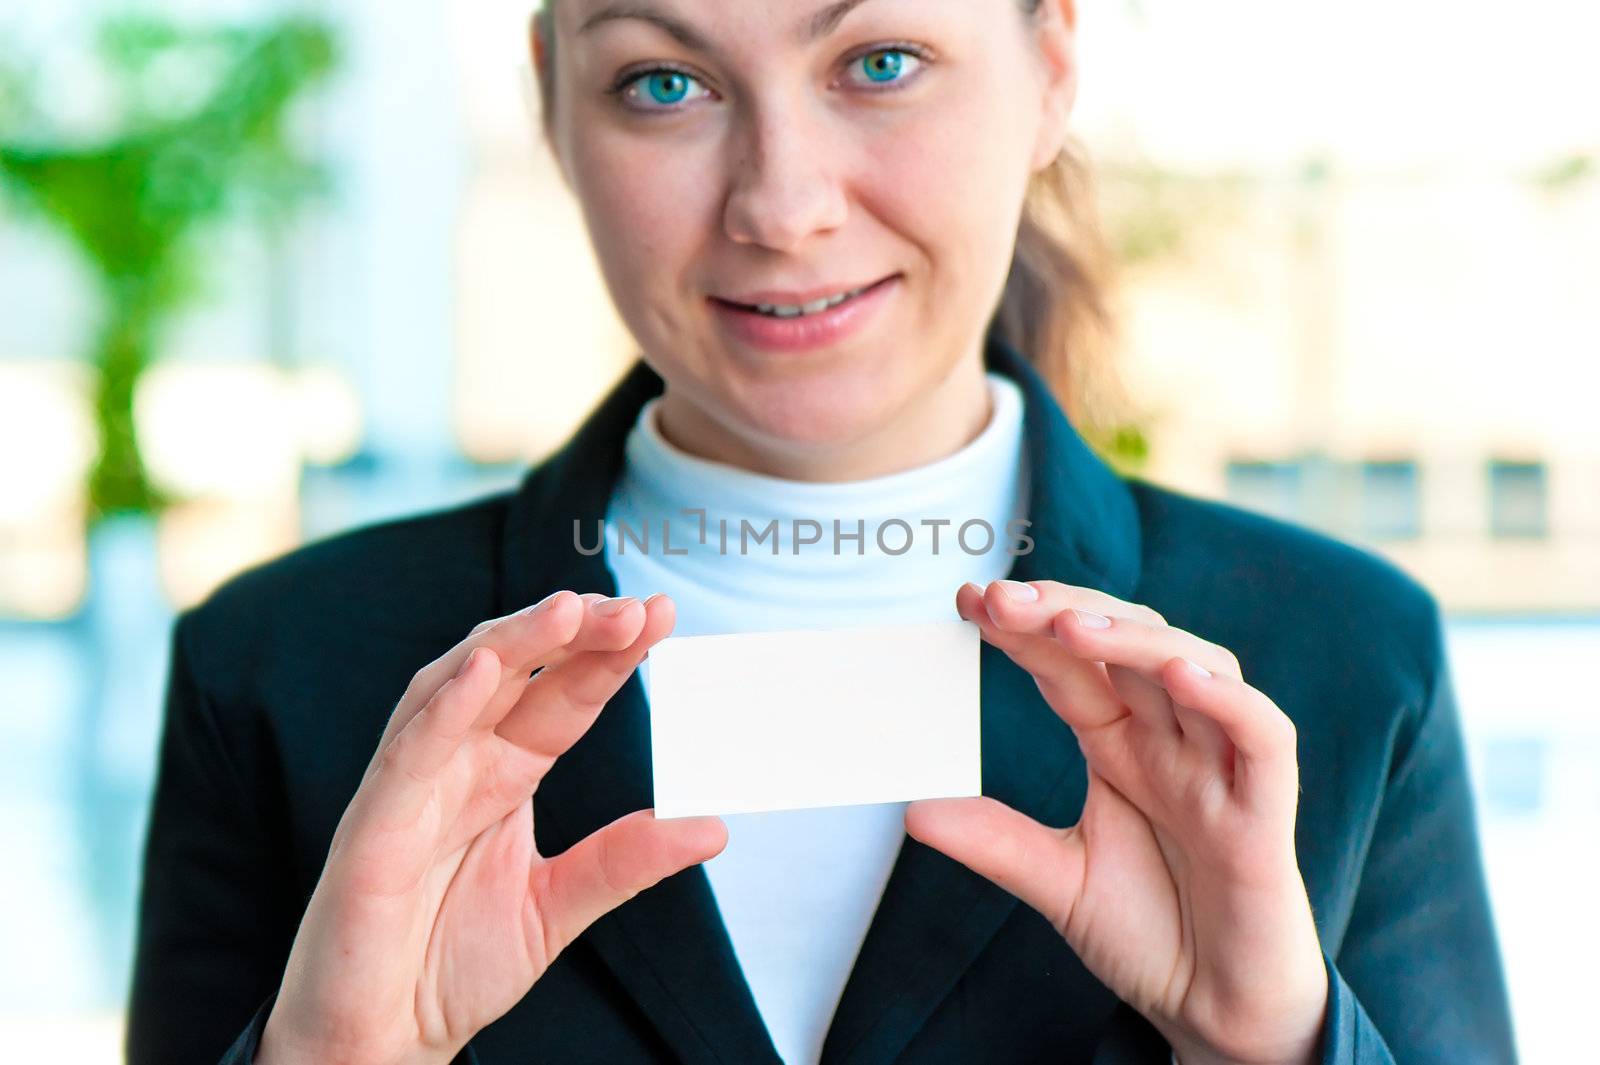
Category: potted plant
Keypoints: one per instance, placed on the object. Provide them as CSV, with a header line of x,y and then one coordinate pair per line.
x,y
199,133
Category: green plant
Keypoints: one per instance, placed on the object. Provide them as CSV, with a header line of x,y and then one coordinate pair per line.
x,y
200,134
1125,447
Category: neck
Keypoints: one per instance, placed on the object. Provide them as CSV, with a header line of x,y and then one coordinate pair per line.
x,y
934,425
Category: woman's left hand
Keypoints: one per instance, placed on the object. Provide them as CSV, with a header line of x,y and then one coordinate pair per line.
x,y
1178,887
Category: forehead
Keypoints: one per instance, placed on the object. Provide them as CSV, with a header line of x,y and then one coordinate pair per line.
x,y
801,21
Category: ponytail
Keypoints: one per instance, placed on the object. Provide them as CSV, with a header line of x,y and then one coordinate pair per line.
x,y
1056,306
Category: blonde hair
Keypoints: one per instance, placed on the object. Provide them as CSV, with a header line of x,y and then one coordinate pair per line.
x,y
1055,307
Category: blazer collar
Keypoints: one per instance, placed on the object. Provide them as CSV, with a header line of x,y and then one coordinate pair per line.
x,y
668,945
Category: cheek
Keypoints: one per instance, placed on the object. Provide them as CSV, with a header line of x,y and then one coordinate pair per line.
x,y
951,181
644,208
962,152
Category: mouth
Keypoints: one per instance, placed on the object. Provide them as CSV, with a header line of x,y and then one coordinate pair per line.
x,y
819,305
769,322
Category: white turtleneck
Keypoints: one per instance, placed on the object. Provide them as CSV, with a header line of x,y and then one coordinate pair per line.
x,y
797,888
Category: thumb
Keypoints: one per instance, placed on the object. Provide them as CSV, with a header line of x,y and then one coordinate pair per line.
x,y
613,864
1040,865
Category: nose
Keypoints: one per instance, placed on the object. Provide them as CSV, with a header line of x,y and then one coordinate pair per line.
x,y
786,182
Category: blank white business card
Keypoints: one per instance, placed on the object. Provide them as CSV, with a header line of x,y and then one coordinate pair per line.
x,y
747,722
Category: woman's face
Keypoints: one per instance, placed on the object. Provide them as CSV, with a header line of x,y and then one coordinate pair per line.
x,y
774,151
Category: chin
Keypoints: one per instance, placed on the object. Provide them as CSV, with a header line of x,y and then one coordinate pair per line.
x,y
818,417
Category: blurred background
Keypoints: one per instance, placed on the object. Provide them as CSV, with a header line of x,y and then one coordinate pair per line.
x,y
269,271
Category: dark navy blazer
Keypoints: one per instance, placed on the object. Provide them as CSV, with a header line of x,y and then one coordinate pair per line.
x,y
283,678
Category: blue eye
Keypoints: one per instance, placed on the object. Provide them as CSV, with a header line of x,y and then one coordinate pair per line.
x,y
662,89
885,64
665,86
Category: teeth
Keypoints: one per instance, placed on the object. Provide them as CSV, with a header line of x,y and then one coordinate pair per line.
x,y
793,310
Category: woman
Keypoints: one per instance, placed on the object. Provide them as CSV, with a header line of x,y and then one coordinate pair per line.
x,y
823,223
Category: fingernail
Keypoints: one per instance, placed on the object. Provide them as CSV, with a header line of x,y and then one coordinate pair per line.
x,y
466,664
609,607
1090,620
1196,668
652,597
543,604
1022,593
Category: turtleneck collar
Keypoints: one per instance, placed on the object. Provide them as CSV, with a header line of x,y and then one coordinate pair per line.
x,y
1085,523
893,547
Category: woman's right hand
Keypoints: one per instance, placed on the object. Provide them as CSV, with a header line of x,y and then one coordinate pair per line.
x,y
435,914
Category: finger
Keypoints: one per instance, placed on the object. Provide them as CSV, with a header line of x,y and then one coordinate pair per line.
x,y
607,625
553,629
407,768
1028,606
1144,648
1079,691
1257,728
1032,607
519,640
1009,603
559,704
554,656
581,642
1042,866
547,632
612,865
533,721
1206,737
1135,654
1135,672
1148,700
1092,697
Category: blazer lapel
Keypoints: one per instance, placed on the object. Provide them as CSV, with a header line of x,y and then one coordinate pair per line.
x,y
935,915
668,945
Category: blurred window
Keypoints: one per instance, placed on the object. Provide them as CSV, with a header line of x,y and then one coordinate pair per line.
x,y
1517,499
1514,772
1391,503
1273,488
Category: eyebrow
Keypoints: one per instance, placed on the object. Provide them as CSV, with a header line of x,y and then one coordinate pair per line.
x,y
817,26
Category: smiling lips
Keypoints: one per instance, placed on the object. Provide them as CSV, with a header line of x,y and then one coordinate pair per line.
x,y
788,304
790,322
